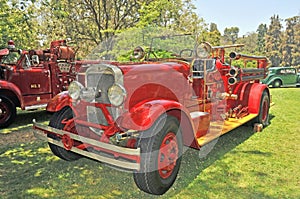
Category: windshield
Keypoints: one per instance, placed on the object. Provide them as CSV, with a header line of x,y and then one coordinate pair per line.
x,y
11,58
137,45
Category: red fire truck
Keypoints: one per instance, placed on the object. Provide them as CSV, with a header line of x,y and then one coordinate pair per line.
x,y
29,79
137,115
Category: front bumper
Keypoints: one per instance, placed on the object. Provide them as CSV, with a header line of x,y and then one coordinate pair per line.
x,y
121,157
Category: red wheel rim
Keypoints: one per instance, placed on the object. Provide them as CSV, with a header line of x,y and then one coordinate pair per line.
x,y
167,155
265,110
4,112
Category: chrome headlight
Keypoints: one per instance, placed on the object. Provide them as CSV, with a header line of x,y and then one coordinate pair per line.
x,y
74,90
116,94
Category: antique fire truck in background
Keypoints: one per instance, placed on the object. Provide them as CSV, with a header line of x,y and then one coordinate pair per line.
x,y
29,79
138,115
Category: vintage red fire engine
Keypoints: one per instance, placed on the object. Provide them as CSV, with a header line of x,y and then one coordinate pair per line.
x,y
29,79
138,115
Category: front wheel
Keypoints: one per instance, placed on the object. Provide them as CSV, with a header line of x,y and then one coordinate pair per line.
x,y
161,150
59,120
8,112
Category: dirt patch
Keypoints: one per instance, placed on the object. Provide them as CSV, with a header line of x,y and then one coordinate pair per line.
x,y
17,137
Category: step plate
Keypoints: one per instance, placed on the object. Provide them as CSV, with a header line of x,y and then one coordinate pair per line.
x,y
219,128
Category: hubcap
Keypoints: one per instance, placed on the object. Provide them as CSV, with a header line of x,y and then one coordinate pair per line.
x,y
4,112
168,155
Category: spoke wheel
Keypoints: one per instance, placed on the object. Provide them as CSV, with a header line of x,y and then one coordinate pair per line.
x,y
168,154
161,150
263,116
7,112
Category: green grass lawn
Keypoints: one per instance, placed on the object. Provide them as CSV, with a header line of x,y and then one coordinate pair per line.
x,y
242,164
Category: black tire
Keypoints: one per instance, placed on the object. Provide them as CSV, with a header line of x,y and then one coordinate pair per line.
x,y
56,122
263,116
157,173
276,84
8,112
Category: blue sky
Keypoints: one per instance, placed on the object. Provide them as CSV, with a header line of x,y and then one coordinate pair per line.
x,y
247,15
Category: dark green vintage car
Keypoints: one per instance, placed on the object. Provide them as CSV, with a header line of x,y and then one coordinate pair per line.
x,y
282,76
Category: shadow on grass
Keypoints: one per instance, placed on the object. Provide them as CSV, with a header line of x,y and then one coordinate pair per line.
x,y
31,171
24,120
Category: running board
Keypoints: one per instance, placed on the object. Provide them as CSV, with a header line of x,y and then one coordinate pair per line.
x,y
228,125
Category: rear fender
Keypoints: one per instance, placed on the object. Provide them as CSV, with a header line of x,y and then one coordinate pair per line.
x,y
59,101
255,95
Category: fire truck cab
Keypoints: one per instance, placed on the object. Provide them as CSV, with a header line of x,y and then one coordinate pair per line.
x,y
30,78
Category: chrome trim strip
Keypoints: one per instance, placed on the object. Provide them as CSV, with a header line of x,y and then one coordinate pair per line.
x,y
40,134
35,107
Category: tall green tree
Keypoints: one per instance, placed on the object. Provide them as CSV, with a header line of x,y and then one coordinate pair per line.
x,y
261,33
274,40
290,44
296,49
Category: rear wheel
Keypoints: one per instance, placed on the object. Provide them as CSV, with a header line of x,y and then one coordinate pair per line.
x,y
8,111
276,84
263,116
58,120
160,156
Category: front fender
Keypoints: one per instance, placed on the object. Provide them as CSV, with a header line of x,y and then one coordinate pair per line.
x,y
255,95
59,101
4,85
142,116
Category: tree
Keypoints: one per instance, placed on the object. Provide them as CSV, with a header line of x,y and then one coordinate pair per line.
x,y
250,41
231,35
90,22
274,40
173,14
87,22
290,44
261,33
18,21
213,35
296,49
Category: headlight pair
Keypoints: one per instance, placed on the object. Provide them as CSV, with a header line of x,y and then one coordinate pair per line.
x,y
116,93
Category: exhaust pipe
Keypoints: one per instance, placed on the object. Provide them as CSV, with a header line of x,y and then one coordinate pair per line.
x,y
233,71
234,80
236,56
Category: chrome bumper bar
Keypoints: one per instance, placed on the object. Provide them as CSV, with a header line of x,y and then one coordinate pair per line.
x,y
40,131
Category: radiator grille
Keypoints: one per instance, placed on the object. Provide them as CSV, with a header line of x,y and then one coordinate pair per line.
x,y
102,82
